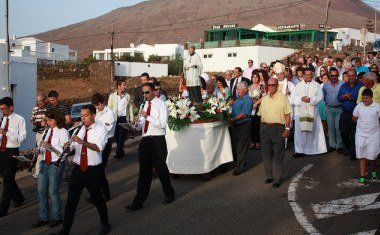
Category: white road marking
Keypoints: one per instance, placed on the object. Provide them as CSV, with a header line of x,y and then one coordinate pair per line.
x,y
298,212
346,205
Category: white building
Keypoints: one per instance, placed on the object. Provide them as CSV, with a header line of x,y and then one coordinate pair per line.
x,y
134,69
263,28
351,37
46,51
145,50
227,58
23,81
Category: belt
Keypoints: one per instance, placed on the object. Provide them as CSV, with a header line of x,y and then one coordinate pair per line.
x,y
271,124
339,106
152,136
89,167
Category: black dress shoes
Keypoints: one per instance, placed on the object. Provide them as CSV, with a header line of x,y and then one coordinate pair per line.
x,y
331,149
340,151
268,181
39,224
134,207
54,223
104,229
168,200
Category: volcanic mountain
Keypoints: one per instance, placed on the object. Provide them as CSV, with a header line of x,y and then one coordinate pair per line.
x,y
178,21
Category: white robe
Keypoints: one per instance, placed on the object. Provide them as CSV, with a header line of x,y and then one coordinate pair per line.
x,y
308,142
192,74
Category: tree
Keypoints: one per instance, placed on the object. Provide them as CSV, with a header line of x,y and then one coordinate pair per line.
x,y
89,60
175,65
129,58
154,58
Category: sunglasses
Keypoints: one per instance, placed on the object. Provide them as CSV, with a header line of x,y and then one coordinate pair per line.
x,y
334,76
272,85
146,92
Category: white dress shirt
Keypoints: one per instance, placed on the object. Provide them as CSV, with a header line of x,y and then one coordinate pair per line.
x,y
107,118
96,134
121,106
158,118
59,138
16,133
368,120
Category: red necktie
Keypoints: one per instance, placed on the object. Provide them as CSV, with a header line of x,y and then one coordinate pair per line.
x,y
48,153
4,139
146,121
83,155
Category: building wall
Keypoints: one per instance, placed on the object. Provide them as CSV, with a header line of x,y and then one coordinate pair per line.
x,y
23,80
132,69
352,37
220,60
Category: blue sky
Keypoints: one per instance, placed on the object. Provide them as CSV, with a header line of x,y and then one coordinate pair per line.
x,y
34,16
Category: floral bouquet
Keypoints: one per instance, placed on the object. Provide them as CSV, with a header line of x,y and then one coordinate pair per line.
x,y
183,112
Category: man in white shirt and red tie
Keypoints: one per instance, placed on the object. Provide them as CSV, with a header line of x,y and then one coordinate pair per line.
x,y
105,116
13,134
88,170
152,149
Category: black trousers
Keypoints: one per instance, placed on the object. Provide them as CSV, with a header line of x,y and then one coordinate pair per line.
x,y
105,155
240,143
255,129
120,137
91,180
347,129
152,153
8,168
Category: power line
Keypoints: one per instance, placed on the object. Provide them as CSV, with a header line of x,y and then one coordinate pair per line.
x,y
138,30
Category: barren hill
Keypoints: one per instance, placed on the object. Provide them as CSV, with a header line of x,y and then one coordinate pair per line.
x,y
159,21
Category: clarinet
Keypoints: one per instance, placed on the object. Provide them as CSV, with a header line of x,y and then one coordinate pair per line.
x,y
66,151
37,149
138,117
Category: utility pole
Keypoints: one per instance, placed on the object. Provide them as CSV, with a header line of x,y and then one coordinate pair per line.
x,y
6,87
328,4
374,37
112,57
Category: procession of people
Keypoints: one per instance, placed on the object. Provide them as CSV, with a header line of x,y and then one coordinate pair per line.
x,y
269,107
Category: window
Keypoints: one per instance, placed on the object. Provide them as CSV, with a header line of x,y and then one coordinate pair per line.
x,y
52,49
205,56
232,54
27,48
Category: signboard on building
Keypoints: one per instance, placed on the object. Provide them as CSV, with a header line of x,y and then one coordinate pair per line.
x,y
226,26
322,26
290,27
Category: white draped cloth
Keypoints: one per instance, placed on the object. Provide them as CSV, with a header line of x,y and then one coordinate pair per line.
x,y
308,142
199,148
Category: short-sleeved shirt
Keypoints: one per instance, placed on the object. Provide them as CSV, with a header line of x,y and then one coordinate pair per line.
x,y
63,107
273,109
242,106
376,93
368,119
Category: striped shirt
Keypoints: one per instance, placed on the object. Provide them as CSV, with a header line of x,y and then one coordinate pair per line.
x,y
63,107
38,114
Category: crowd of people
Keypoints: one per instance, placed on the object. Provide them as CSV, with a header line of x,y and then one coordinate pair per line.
x,y
324,104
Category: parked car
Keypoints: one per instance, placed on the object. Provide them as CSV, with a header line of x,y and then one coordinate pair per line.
x,y
75,111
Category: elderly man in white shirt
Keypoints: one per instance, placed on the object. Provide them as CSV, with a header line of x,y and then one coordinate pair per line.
x,y
120,102
152,149
13,134
88,170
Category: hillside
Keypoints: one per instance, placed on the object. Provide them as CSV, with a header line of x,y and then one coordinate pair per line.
x,y
157,21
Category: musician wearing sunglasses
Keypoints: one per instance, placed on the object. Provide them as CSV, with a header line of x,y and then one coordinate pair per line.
x,y
152,149
13,134
49,176
120,102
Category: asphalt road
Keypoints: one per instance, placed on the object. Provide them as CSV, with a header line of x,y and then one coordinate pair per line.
x,y
226,204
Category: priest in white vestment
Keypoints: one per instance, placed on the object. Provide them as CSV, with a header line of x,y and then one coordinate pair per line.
x,y
309,137
192,68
